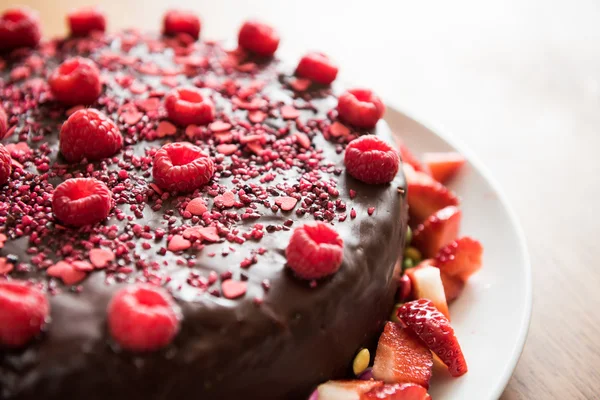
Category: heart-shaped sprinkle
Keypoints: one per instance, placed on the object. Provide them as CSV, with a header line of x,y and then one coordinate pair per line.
x,y
66,272
179,243
300,84
286,203
209,234
302,139
219,126
233,289
225,200
256,116
100,258
338,129
165,128
131,117
82,266
196,206
289,112
227,149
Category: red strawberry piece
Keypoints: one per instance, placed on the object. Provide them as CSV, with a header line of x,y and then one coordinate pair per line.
x,y
5,165
317,67
360,107
89,134
86,20
286,203
401,357
426,283
179,243
404,391
76,81
181,167
315,251
187,106
24,310
258,38
346,390
100,258
409,158
460,258
196,206
443,166
425,197
437,230
371,160
453,286
81,201
177,21
3,123
143,318
434,329
233,289
19,27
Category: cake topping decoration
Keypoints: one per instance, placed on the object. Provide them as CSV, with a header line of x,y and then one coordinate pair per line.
x,y
360,107
143,318
186,106
3,123
5,165
19,27
181,22
181,167
315,251
233,289
81,201
67,272
371,160
76,81
100,258
317,67
85,20
258,38
24,311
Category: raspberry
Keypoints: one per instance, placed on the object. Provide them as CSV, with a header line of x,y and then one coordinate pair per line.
x,y
315,251
81,201
76,81
23,313
187,106
89,134
258,38
19,27
360,107
177,21
85,20
317,67
143,318
181,167
371,160
5,165
3,123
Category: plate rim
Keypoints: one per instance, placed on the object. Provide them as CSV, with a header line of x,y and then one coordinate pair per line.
x,y
523,330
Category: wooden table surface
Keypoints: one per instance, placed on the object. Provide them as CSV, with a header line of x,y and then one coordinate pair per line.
x,y
518,82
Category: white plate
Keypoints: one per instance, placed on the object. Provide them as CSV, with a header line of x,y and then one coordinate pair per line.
x,y
491,317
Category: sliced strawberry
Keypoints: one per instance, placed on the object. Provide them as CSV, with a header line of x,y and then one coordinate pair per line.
x,y
346,390
424,319
409,158
453,286
425,198
427,284
438,230
443,166
404,391
401,357
460,258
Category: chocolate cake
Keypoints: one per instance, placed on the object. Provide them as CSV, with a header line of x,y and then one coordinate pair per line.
x,y
277,144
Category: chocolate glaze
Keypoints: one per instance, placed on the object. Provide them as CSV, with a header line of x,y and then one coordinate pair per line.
x,y
297,338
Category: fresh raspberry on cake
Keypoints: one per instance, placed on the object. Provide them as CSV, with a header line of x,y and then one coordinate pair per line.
x,y
437,230
85,20
315,251
460,258
371,160
81,201
443,166
89,134
182,167
433,328
404,391
317,67
143,318
5,165
19,27
24,310
3,122
76,81
402,357
360,107
178,21
187,106
258,38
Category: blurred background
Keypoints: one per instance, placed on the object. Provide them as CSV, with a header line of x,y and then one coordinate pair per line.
x,y
515,81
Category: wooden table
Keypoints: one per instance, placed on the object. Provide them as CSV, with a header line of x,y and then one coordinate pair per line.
x,y
517,81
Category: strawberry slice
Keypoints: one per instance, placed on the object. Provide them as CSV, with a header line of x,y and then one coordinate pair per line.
x,y
404,391
346,390
427,284
427,197
424,319
460,258
409,158
443,166
453,286
438,230
401,357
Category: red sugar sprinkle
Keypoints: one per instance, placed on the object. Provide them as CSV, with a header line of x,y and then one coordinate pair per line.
x,y
371,210
178,243
352,193
338,129
302,139
286,203
353,213
233,289
100,258
300,84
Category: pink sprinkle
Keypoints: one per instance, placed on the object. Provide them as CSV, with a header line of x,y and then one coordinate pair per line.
x,y
256,148
353,213
196,206
338,129
101,257
300,84
352,193
226,200
82,266
170,81
210,233
286,203
302,139
5,266
179,243
256,116
227,149
289,112
131,117
149,104
371,210
233,289
138,88
191,131
220,126
66,272
165,128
